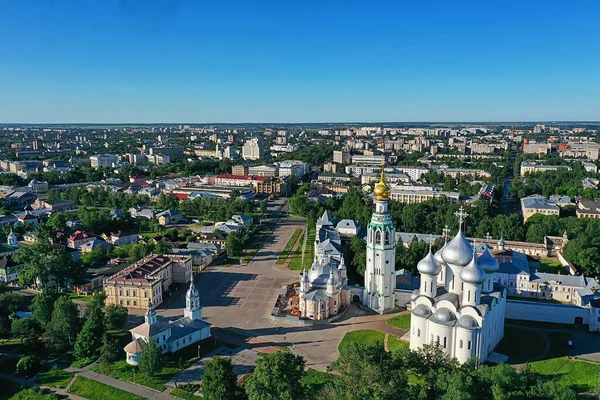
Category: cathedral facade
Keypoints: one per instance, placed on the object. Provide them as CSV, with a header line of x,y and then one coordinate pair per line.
x,y
458,305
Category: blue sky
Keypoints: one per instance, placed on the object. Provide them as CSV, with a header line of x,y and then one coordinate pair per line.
x,y
282,61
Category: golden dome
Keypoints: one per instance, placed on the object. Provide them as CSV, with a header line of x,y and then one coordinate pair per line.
x,y
382,190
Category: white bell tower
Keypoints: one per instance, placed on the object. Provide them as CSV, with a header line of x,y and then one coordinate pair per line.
x,y
192,309
380,272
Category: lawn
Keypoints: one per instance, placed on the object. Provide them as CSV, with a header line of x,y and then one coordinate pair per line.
x,y
394,343
548,265
316,380
520,345
75,296
289,246
182,394
363,336
400,321
54,378
93,390
578,375
308,250
173,363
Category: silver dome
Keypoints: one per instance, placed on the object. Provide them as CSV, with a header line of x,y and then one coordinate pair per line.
x,y
318,274
472,273
192,291
466,321
458,251
487,262
421,311
438,255
444,315
429,265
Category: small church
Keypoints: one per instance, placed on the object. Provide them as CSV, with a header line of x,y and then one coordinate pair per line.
x,y
174,335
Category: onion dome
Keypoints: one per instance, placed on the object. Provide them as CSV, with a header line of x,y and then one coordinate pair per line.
x,y
421,310
458,251
438,255
342,265
444,315
487,262
429,265
382,190
472,273
192,291
468,322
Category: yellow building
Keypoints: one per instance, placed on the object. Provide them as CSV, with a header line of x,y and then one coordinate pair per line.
x,y
147,280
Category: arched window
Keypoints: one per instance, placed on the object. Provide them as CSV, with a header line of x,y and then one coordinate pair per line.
x,y
378,236
387,237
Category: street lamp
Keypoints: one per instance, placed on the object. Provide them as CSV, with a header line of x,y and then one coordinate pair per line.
x,y
198,351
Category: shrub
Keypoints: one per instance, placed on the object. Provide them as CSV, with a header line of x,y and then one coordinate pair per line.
x,y
28,366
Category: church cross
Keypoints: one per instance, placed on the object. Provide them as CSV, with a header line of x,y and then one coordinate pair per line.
x,y
445,231
462,215
488,236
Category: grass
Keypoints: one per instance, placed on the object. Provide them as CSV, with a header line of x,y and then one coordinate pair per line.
x,y
578,375
54,378
289,246
182,394
173,363
363,336
93,390
315,380
308,250
394,343
85,299
186,391
400,321
521,345
548,265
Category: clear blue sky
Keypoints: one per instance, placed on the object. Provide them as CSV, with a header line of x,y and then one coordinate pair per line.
x,y
274,61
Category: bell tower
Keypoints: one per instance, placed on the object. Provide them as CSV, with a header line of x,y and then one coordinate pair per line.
x,y
192,309
380,271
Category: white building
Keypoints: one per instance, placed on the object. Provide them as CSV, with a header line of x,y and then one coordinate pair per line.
x,y
172,336
104,160
457,305
37,187
253,149
415,173
418,194
292,167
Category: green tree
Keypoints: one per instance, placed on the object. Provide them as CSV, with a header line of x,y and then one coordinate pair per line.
x,y
263,207
110,351
358,254
115,316
234,244
28,366
29,331
218,380
369,372
277,376
150,358
61,331
42,306
89,340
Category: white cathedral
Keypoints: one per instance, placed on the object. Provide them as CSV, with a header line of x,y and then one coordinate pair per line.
x,y
458,305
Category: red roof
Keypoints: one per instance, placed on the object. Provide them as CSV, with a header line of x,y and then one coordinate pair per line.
x,y
78,235
182,196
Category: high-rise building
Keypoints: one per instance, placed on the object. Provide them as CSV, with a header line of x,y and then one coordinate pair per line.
x,y
254,149
380,272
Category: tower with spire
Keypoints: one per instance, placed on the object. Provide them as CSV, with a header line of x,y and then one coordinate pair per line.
x,y
12,239
192,310
380,271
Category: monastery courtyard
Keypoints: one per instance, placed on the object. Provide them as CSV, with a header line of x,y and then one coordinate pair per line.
x,y
238,300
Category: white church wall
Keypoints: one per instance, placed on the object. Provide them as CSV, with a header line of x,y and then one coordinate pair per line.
x,y
554,313
403,298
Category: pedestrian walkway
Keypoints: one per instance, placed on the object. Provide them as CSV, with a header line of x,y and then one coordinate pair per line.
x,y
126,386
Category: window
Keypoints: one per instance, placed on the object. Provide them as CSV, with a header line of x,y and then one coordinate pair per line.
x,y
127,293
387,237
133,293
164,337
121,302
157,340
135,303
378,236
425,283
164,346
419,331
468,295
127,302
460,344
145,293
445,341
120,292
469,345
438,339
